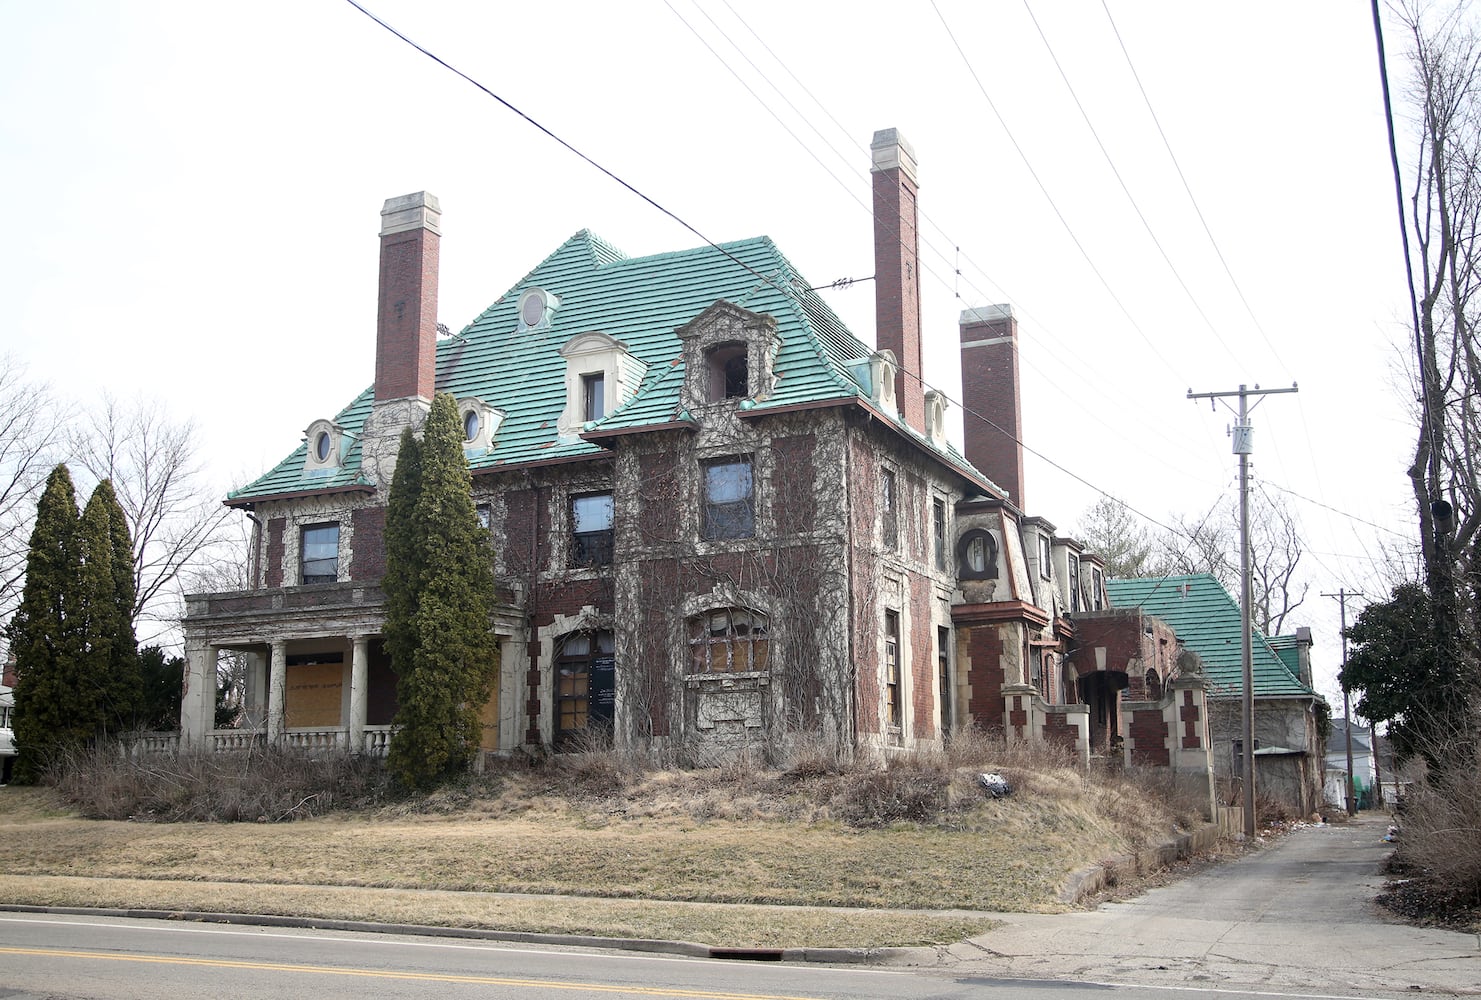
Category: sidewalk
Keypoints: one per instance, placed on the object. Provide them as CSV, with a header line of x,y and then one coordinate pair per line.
x,y
1298,915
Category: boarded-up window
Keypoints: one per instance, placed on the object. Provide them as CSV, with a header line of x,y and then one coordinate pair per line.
x,y
729,640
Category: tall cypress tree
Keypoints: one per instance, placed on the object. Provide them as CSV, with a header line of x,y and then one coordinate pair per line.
x,y
46,634
439,572
112,653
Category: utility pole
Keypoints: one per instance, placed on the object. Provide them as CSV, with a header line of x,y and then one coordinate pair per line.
x,y
1352,797
1243,434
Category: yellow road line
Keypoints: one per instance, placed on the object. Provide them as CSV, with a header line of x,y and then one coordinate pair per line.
x,y
434,977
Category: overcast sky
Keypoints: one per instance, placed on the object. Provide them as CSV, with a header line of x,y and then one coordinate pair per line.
x,y
193,194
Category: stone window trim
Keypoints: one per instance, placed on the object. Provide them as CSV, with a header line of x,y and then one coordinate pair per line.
x,y
1046,555
889,509
722,345
596,362
940,531
727,509
318,553
893,674
592,523
974,563
325,444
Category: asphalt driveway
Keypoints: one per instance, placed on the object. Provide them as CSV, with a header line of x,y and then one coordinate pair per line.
x,y
1297,916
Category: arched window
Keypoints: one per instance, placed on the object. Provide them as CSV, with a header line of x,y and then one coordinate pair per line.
x,y
728,641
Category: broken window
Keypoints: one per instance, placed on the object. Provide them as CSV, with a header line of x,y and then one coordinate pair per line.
x,y
894,710
977,556
729,640
889,515
729,372
938,528
729,511
1074,570
591,530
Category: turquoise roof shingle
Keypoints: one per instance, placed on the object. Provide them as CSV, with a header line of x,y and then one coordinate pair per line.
x,y
1207,620
641,302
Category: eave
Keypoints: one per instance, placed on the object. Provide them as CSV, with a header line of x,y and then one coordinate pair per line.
x,y
248,503
998,612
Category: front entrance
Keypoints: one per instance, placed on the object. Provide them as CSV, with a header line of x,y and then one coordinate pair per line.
x,y
585,688
1101,691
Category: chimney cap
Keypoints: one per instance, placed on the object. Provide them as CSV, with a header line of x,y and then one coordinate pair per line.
x,y
411,211
986,314
891,151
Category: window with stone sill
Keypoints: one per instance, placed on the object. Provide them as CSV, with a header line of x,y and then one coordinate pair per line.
x,y
1045,552
594,395
893,688
889,511
729,510
591,529
729,372
319,553
938,528
729,641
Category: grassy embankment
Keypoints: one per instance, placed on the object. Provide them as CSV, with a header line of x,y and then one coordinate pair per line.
x,y
812,857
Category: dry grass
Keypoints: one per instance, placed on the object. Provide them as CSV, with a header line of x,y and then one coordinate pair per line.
x,y
699,855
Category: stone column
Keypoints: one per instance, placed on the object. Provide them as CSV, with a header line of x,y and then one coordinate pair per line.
x,y
277,682
198,693
359,691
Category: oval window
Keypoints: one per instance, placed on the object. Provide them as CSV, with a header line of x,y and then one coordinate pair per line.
x,y
321,446
532,309
470,425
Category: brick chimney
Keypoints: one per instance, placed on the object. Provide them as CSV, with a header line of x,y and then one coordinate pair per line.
x,y
990,396
896,272
406,324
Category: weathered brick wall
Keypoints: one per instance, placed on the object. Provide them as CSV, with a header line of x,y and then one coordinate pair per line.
x,y
984,647
793,509
1192,722
275,551
1148,732
368,562
1059,731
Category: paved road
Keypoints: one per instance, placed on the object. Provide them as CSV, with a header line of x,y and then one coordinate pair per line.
x,y
1296,916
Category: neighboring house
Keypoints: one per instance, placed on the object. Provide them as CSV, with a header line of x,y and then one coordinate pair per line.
x,y
719,520
7,733
1366,772
1289,714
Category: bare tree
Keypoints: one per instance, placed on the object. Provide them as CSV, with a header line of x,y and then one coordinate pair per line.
x,y
1110,530
1275,557
1207,546
174,513
28,452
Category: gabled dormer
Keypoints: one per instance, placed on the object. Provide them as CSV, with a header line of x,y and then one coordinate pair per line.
x,y
601,375
326,443
728,356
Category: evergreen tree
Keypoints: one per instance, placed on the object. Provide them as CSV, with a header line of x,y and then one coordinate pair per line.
x,y
46,634
439,583
112,649
160,689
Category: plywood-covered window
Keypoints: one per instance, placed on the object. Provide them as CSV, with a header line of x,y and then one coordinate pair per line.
x,y
728,641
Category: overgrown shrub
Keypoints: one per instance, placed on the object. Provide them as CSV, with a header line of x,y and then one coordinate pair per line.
x,y
1439,850
914,788
260,785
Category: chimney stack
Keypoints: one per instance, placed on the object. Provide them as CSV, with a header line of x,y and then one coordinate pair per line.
x,y
896,271
990,396
406,325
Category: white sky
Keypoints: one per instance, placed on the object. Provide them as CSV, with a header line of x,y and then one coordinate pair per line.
x,y
193,195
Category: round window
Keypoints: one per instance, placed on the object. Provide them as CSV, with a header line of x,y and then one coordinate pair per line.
x,y
321,446
532,309
470,425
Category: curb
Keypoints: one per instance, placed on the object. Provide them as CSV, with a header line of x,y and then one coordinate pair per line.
x,y
1090,880
686,949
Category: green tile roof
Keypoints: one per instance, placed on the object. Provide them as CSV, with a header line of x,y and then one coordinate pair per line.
x,y
1207,620
639,301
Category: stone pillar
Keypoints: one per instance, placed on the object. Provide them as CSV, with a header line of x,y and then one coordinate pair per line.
x,y
277,682
359,691
198,693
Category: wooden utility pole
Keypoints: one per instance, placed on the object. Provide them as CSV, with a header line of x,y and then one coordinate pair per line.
x,y
1352,797
1244,444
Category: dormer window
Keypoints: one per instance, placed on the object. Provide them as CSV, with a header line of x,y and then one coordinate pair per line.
x,y
729,372
480,423
324,442
601,375
535,308
728,355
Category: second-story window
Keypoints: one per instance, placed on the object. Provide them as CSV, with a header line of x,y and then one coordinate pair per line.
x,y
889,511
1075,601
938,528
591,530
729,508
1045,551
319,553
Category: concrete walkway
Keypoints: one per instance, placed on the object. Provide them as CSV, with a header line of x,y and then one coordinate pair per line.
x,y
1297,916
